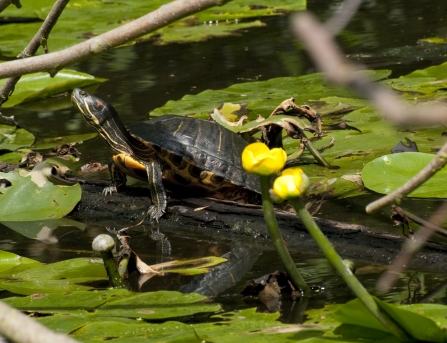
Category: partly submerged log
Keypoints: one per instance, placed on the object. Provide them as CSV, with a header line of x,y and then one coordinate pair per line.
x,y
229,221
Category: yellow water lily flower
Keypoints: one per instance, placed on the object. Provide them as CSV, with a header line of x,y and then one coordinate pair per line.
x,y
291,183
257,158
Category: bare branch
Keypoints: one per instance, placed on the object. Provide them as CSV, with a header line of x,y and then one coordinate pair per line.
x,y
6,3
40,38
410,247
338,69
429,170
55,61
342,16
20,328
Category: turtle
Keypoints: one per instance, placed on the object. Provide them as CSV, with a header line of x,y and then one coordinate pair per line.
x,y
176,152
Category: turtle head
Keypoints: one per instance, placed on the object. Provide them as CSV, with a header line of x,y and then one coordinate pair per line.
x,y
94,110
103,117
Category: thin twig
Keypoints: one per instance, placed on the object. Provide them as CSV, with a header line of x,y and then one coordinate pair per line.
x,y
338,69
40,38
342,16
429,170
159,18
410,247
436,229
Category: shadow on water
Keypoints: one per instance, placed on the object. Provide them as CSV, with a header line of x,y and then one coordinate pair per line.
x,y
144,76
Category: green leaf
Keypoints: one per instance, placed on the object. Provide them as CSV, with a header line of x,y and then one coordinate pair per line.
x,y
32,197
387,173
11,263
261,97
12,138
115,303
42,230
58,277
40,85
82,19
418,326
51,142
12,157
195,266
196,33
156,305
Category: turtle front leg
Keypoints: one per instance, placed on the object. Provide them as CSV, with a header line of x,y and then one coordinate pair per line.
x,y
158,193
118,179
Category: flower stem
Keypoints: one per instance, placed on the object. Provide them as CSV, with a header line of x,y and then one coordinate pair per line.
x,y
346,274
275,235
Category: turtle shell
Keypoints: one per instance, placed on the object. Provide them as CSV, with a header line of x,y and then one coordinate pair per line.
x,y
195,146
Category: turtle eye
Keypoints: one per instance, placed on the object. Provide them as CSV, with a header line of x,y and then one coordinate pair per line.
x,y
83,93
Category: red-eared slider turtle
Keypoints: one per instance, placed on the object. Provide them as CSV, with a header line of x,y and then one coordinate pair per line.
x,y
171,150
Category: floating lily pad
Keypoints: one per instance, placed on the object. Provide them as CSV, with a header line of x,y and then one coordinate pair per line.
x,y
12,138
420,327
41,85
83,19
42,230
387,173
51,142
11,157
60,277
32,197
261,97
197,33
11,263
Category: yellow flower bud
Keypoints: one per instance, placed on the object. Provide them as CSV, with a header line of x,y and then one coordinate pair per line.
x,y
257,158
290,184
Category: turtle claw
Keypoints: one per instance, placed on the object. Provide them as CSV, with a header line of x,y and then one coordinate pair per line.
x,y
109,190
154,213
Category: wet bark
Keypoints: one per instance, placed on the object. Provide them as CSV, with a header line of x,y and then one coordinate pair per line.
x,y
229,221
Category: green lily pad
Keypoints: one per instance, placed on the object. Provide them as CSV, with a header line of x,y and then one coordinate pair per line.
x,y
195,266
12,138
387,173
261,97
11,157
116,303
83,19
51,142
420,327
60,277
32,197
11,263
197,33
41,85
42,230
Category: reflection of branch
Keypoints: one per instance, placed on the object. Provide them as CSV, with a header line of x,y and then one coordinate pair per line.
x,y
39,39
410,247
161,17
342,16
6,3
429,170
329,59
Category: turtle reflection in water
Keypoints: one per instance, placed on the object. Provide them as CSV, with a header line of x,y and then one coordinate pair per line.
x,y
171,151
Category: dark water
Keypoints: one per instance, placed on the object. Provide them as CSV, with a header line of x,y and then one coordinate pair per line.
x,y
383,34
